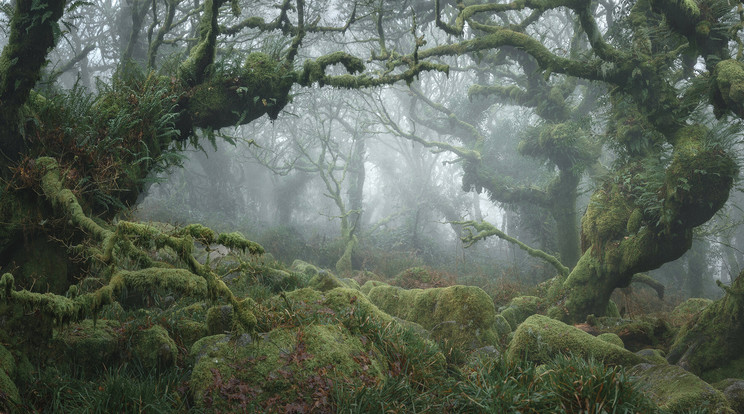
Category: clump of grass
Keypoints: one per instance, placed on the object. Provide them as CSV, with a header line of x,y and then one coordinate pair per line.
x,y
126,389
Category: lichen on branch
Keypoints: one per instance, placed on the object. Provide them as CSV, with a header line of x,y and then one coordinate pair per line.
x,y
481,230
116,246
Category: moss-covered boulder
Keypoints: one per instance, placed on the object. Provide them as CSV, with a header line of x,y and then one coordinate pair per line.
x,y
90,345
305,268
286,366
709,345
421,277
371,284
154,348
188,331
733,390
325,281
349,306
220,319
677,391
539,338
654,356
611,338
636,334
463,317
519,309
9,396
687,310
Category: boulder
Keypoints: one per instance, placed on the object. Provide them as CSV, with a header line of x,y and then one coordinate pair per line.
x,y
462,317
539,339
676,391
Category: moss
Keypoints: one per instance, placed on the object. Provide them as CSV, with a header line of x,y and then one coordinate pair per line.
x,y
170,280
710,344
637,334
729,82
612,310
154,348
539,338
370,284
341,302
688,310
611,338
220,319
732,369
237,241
7,362
287,362
463,317
655,356
634,221
676,390
88,345
325,281
519,309
305,268
9,396
189,331
733,390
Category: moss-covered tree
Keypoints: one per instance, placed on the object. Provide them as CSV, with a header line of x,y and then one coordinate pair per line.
x,y
72,161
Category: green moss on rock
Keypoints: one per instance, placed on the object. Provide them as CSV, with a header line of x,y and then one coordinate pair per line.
x,y
9,396
611,338
519,309
220,319
325,281
154,348
291,363
733,390
305,268
539,338
687,310
189,331
677,391
371,284
654,356
637,334
90,345
463,317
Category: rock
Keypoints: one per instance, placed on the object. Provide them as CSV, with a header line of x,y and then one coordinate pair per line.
x,y
539,338
636,334
611,338
654,356
463,317
687,310
519,309
675,390
306,268
90,345
370,284
220,319
293,363
154,348
325,281
189,331
733,390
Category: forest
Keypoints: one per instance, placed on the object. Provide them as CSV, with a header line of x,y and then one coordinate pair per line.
x,y
371,206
